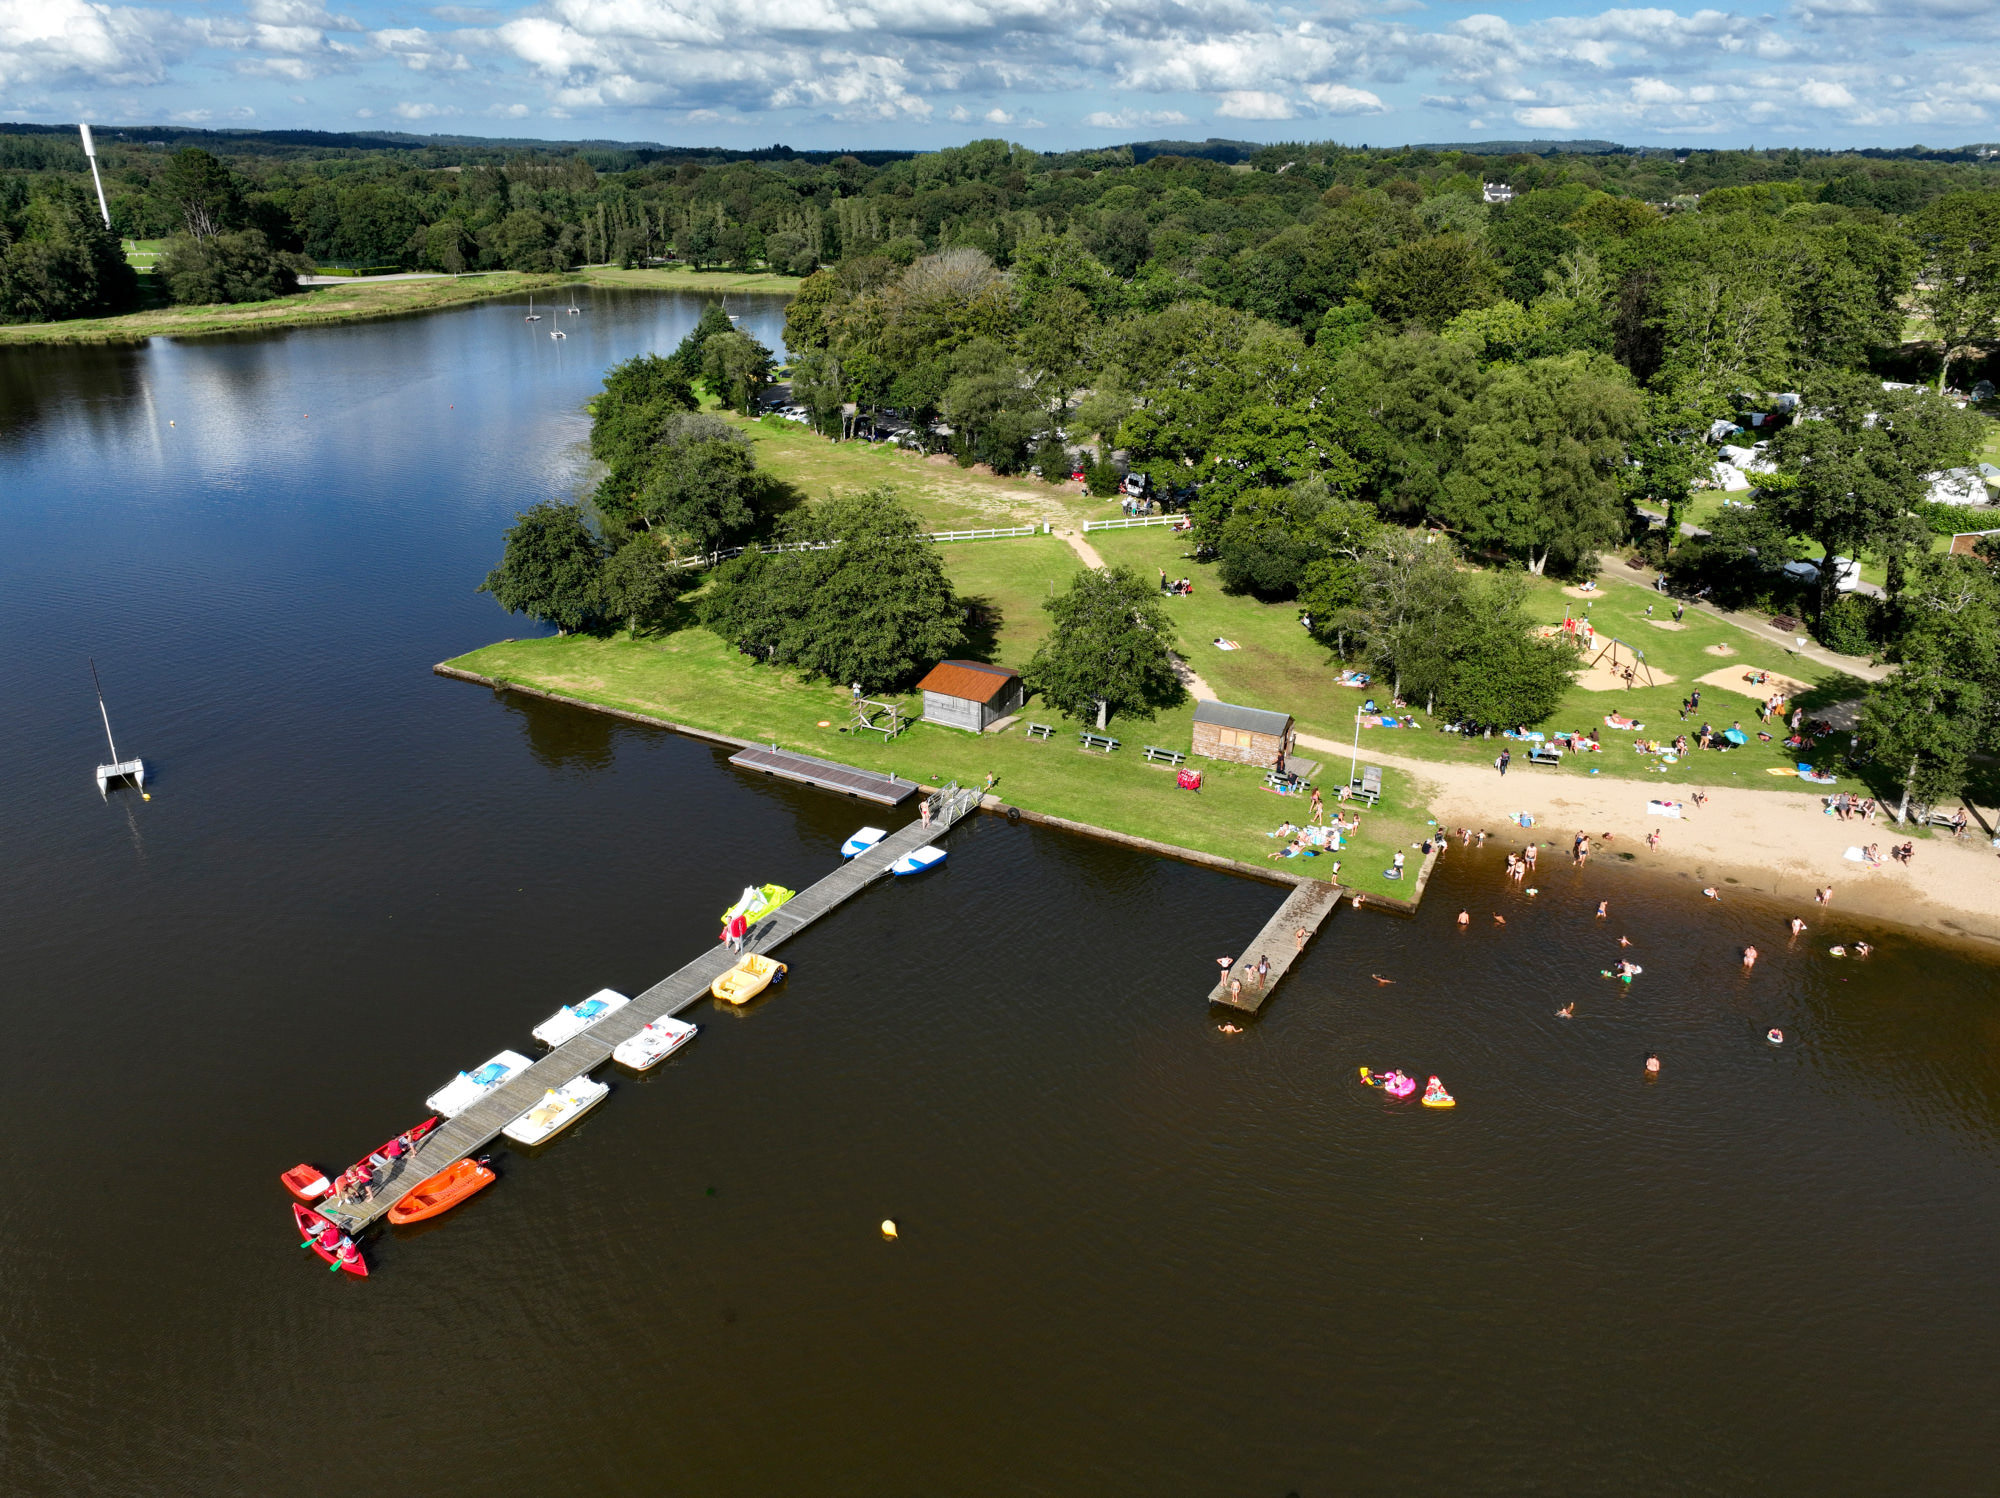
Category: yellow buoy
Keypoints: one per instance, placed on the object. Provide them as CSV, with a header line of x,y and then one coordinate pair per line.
x,y
888,1227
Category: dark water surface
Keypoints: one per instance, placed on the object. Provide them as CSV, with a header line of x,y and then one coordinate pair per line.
x,y
1138,1256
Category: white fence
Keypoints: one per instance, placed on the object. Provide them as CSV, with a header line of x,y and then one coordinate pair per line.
x,y
1129,522
992,535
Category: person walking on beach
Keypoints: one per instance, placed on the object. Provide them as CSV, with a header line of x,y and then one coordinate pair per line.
x,y
1502,762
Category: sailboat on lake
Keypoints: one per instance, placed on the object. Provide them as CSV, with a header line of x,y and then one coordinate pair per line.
x,y
119,769
533,315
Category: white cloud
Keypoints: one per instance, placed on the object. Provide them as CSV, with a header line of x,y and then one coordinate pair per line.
x,y
419,111
1545,117
997,117
1134,119
1338,98
1254,104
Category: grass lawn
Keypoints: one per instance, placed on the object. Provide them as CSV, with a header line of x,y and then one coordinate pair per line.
x,y
692,677
1280,667
1009,581
680,278
946,496
313,307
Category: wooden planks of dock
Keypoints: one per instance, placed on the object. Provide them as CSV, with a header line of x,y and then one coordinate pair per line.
x,y
868,785
480,1124
1307,906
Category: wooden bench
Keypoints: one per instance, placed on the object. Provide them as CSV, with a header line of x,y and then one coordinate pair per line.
x,y
1097,741
1289,783
1155,755
1544,756
1040,731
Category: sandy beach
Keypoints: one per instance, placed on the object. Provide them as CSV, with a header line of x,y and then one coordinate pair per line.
x,y
1777,842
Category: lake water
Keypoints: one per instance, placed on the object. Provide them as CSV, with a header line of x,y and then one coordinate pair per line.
x,y
1138,1256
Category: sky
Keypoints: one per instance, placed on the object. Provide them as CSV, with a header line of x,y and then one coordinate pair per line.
x,y
1051,74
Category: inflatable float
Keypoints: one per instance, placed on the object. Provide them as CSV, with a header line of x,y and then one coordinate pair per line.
x,y
1394,1082
1436,1097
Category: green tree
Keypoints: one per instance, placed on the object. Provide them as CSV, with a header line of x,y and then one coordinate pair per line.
x,y
226,267
65,262
551,570
869,602
737,369
687,355
1540,472
987,404
1922,725
700,487
202,192
1425,284
1411,590
640,583
1856,464
1958,279
1109,649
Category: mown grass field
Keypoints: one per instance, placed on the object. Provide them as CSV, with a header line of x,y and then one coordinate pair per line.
x,y
1281,667
690,676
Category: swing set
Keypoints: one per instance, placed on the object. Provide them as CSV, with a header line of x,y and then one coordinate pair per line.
x,y
1636,672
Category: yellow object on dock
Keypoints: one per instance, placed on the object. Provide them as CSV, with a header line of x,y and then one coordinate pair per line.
x,y
747,979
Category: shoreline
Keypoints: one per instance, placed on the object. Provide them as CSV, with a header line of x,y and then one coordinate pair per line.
x,y
366,300
988,803
1775,843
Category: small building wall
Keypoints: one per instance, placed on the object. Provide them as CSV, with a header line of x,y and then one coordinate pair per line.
x,y
1240,746
954,712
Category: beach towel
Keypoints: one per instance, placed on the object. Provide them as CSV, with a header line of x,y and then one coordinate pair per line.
x,y
1858,855
1664,809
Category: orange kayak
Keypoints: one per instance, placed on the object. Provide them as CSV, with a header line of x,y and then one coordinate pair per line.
x,y
442,1192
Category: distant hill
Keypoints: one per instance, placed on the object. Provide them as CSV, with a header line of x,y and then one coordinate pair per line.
x,y
1540,147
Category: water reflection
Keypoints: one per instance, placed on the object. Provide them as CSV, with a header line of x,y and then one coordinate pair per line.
x,y
563,738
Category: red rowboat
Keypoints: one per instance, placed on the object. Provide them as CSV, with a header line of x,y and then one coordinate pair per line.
x,y
326,1240
306,1182
442,1192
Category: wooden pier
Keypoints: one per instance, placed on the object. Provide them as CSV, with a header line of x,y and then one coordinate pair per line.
x,y
1308,905
868,785
475,1128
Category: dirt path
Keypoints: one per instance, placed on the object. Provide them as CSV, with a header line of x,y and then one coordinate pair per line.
x,y
1772,841
1082,548
1198,689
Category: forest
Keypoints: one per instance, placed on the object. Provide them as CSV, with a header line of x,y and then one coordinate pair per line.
x,y
1322,351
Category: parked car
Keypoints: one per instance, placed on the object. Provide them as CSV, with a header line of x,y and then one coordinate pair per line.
x,y
1847,573
1135,485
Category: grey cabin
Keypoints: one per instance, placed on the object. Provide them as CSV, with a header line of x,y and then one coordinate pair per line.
x,y
970,695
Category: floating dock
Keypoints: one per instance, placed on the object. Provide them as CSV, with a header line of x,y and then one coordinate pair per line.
x,y
480,1124
868,785
1307,906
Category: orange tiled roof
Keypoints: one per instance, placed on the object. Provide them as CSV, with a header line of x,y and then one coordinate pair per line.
x,y
971,680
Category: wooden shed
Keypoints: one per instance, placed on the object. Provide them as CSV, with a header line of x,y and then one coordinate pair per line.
x,y
970,695
1247,735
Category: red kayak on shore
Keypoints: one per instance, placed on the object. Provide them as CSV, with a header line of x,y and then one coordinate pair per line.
x,y
332,1245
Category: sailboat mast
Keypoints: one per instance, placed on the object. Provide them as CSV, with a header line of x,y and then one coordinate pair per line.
x,y
101,710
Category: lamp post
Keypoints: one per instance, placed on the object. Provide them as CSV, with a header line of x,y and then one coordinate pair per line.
x,y
1354,758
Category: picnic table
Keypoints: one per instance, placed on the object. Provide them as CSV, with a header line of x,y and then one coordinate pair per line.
x,y
1098,741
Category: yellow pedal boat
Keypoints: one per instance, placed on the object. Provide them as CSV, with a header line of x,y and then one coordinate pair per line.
x,y
747,979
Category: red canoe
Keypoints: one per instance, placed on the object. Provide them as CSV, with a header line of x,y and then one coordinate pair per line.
x,y
333,1246
442,1192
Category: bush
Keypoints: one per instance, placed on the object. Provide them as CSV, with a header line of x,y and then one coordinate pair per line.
x,y
1853,626
1101,478
240,267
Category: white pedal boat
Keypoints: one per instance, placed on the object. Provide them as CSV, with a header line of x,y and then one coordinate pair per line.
x,y
567,1023
655,1043
467,1088
862,841
918,859
559,1108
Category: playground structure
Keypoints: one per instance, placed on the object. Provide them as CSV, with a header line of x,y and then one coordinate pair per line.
x,y
1635,671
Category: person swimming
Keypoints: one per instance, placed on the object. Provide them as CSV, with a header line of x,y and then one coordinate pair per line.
x,y
1749,958
1624,941
1603,909
1568,1011
1464,919
1652,1066
1798,926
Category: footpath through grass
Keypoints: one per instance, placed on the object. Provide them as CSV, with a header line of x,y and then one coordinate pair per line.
x,y
691,677
1279,666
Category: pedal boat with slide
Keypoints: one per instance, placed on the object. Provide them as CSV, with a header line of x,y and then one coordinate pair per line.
x,y
468,1087
747,979
655,1043
559,1108
567,1023
442,1192
332,1245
